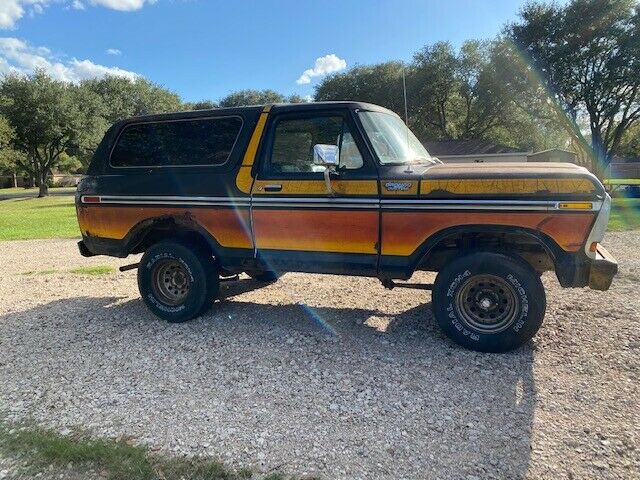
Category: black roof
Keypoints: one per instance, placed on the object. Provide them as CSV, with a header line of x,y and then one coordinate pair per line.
x,y
467,147
276,107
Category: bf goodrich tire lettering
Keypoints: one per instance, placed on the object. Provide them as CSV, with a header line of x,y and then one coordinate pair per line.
x,y
488,301
186,290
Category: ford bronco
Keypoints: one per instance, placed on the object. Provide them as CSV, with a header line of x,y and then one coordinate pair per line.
x,y
339,188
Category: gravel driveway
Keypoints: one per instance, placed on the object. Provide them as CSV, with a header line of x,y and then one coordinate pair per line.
x,y
326,375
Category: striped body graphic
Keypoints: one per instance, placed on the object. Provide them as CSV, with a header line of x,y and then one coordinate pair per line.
x,y
336,225
372,218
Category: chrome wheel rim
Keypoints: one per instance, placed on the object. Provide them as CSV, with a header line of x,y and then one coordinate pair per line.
x,y
487,303
171,282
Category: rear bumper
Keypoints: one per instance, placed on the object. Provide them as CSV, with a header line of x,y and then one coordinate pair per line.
x,y
603,268
92,246
84,251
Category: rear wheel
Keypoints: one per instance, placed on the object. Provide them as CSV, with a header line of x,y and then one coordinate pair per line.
x,y
177,282
489,302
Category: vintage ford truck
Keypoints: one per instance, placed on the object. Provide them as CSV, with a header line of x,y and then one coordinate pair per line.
x,y
339,188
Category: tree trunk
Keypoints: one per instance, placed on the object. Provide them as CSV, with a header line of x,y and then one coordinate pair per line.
x,y
15,180
42,185
600,155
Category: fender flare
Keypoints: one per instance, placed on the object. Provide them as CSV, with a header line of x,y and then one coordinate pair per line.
x,y
554,251
175,223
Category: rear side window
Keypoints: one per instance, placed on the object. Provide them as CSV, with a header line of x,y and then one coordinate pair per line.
x,y
199,142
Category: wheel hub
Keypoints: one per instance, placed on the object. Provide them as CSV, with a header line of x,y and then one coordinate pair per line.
x,y
487,303
171,282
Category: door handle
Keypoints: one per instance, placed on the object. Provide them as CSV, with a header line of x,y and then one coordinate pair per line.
x,y
272,188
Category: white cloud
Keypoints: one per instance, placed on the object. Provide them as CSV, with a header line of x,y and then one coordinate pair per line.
x,y
122,5
10,12
113,51
18,56
322,66
13,10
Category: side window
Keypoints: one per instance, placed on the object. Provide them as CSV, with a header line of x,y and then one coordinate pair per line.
x,y
293,142
200,142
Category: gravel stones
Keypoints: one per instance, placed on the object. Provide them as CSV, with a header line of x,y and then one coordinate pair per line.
x,y
324,375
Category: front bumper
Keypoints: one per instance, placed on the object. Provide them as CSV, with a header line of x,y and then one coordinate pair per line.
x,y
603,268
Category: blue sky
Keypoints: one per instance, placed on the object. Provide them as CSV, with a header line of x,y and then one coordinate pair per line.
x,y
206,49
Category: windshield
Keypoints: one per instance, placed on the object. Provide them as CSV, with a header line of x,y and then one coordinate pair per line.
x,y
393,142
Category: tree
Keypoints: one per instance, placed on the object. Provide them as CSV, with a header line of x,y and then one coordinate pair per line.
x,y
49,118
295,98
6,138
251,97
630,144
7,154
583,58
456,95
380,84
201,105
258,97
450,94
123,98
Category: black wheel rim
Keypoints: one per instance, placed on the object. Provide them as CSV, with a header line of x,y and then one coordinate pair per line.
x,y
171,282
487,303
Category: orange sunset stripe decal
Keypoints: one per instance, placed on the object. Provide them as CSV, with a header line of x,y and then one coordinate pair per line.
x,y
343,231
403,232
229,226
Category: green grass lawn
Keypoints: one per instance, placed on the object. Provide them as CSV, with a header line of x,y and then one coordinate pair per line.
x,y
49,217
621,181
34,191
93,270
55,217
625,214
47,454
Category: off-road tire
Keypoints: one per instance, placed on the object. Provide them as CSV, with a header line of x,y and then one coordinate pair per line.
x,y
192,265
489,302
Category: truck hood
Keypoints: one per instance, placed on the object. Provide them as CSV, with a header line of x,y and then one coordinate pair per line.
x,y
509,179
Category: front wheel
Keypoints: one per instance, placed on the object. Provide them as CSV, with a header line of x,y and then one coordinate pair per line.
x,y
489,302
177,282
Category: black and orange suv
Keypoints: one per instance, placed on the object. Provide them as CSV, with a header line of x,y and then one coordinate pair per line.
x,y
339,188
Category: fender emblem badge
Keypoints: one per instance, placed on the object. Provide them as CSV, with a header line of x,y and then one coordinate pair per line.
x,y
397,186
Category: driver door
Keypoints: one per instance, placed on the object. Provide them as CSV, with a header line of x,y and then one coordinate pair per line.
x,y
297,224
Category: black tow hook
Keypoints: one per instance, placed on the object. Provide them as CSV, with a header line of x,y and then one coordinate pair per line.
x,y
126,268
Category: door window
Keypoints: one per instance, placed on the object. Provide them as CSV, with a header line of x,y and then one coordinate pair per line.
x,y
293,142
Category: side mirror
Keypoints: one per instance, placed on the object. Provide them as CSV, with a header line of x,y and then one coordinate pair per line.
x,y
327,156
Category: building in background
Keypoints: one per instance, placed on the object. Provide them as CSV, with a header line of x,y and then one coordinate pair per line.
x,y
480,151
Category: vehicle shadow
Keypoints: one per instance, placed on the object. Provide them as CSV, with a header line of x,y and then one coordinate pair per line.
x,y
364,391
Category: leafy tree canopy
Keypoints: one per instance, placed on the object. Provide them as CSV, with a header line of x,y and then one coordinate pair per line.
x,y
123,98
49,118
257,97
584,57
